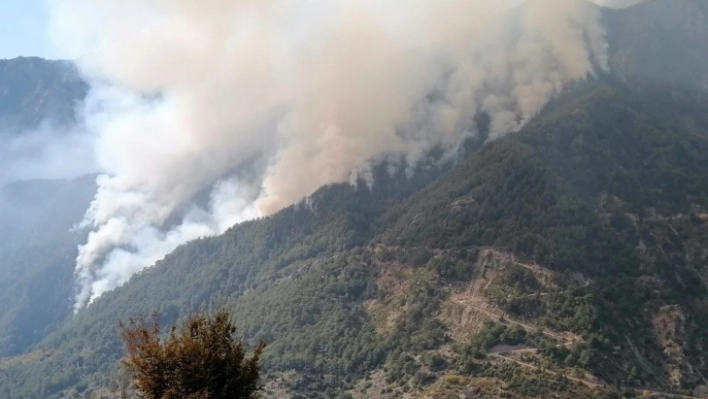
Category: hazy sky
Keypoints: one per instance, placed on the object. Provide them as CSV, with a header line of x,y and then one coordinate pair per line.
x,y
23,29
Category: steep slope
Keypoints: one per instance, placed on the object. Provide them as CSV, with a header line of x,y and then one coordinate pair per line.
x,y
567,260
620,206
34,90
256,254
579,239
37,252
661,42
36,246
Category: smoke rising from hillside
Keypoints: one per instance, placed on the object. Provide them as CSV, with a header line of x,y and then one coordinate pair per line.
x,y
303,93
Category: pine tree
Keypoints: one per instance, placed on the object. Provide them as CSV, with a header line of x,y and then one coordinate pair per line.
x,y
200,359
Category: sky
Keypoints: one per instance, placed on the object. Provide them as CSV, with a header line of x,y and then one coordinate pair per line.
x,y
23,29
24,32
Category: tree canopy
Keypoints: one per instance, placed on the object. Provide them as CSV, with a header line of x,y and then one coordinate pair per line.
x,y
200,359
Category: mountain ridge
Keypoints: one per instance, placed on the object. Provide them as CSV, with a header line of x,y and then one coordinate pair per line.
x,y
564,260
34,90
510,195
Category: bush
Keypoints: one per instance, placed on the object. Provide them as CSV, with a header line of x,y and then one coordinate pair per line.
x,y
200,360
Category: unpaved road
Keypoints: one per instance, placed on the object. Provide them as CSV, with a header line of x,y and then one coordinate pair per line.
x,y
499,316
587,383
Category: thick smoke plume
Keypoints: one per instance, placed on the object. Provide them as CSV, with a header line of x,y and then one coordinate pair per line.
x,y
212,112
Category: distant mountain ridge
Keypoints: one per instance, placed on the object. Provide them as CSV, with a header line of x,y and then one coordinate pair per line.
x,y
34,90
37,248
660,41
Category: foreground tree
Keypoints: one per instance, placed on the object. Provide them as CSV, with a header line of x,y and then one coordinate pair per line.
x,y
200,359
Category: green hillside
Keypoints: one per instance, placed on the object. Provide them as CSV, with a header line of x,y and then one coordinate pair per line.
x,y
579,239
567,260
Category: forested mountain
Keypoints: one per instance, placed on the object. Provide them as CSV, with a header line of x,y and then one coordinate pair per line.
x,y
580,239
565,260
34,90
37,249
662,42
37,253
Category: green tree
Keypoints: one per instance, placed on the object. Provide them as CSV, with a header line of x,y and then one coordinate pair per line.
x,y
200,359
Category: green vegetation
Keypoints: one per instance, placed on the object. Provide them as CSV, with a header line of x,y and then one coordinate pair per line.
x,y
202,359
602,201
301,280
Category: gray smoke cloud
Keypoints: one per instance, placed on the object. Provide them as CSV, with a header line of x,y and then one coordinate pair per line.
x,y
305,93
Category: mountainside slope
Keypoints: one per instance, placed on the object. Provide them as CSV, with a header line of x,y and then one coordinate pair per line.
x,y
621,207
660,42
37,248
34,90
578,238
566,260
37,252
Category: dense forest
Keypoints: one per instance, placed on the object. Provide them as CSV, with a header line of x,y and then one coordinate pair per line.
x,y
565,260
587,226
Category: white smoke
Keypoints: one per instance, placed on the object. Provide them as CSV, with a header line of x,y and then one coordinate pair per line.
x,y
304,93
